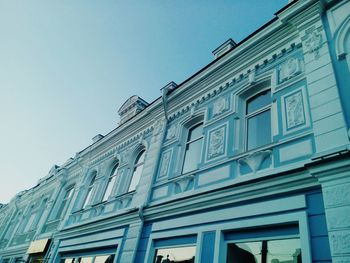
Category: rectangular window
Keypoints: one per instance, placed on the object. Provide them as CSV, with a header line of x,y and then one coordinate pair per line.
x,y
258,120
265,251
64,203
193,148
175,254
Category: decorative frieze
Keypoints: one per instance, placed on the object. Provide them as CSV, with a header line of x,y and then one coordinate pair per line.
x,y
340,242
216,145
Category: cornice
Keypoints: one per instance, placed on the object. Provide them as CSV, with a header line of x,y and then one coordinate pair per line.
x,y
230,77
234,195
110,222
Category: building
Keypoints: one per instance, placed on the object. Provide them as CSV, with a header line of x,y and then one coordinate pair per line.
x,y
245,161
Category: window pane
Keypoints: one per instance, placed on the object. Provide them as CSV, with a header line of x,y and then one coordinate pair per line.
x,y
69,260
195,132
104,259
109,188
177,254
86,260
259,101
274,251
88,196
135,177
284,251
244,252
140,158
30,222
259,130
192,156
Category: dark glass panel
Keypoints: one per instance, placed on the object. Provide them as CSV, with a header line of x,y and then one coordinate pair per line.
x,y
259,130
192,156
176,254
258,101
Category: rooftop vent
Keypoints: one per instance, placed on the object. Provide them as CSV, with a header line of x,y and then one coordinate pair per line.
x,y
97,138
131,107
224,48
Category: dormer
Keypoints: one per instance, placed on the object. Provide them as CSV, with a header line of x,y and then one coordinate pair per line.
x,y
131,107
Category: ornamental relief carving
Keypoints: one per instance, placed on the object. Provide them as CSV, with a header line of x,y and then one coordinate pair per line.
x,y
289,69
164,167
295,114
217,142
125,156
220,106
313,42
171,133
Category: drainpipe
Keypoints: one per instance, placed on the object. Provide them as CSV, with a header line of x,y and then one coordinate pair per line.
x,y
165,90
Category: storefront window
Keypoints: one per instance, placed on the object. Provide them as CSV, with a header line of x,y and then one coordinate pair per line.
x,y
175,254
265,251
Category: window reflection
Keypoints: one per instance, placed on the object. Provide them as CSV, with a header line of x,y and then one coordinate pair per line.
x,y
175,255
111,182
266,251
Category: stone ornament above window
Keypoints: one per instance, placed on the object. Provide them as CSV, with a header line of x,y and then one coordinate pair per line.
x,y
289,69
220,106
294,110
216,142
125,156
171,133
313,42
164,166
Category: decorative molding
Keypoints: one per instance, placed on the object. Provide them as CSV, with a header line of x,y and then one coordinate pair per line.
x,y
289,69
295,111
165,163
313,42
220,105
171,133
158,126
217,142
238,78
254,160
184,182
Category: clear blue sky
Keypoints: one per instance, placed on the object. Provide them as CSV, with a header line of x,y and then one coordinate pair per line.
x,y
66,66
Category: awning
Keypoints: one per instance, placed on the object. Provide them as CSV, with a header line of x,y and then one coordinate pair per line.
x,y
38,246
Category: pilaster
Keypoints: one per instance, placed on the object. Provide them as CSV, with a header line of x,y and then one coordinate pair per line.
x,y
326,112
334,177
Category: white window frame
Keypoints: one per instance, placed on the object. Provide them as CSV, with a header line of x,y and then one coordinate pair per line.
x,y
189,128
112,175
135,166
256,113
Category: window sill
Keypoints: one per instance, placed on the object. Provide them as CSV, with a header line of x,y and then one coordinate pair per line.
x,y
236,157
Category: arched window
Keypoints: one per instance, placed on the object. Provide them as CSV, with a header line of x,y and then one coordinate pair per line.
x,y
65,202
111,181
89,191
193,148
137,170
258,120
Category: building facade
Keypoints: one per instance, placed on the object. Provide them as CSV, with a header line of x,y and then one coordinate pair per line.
x,y
245,161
